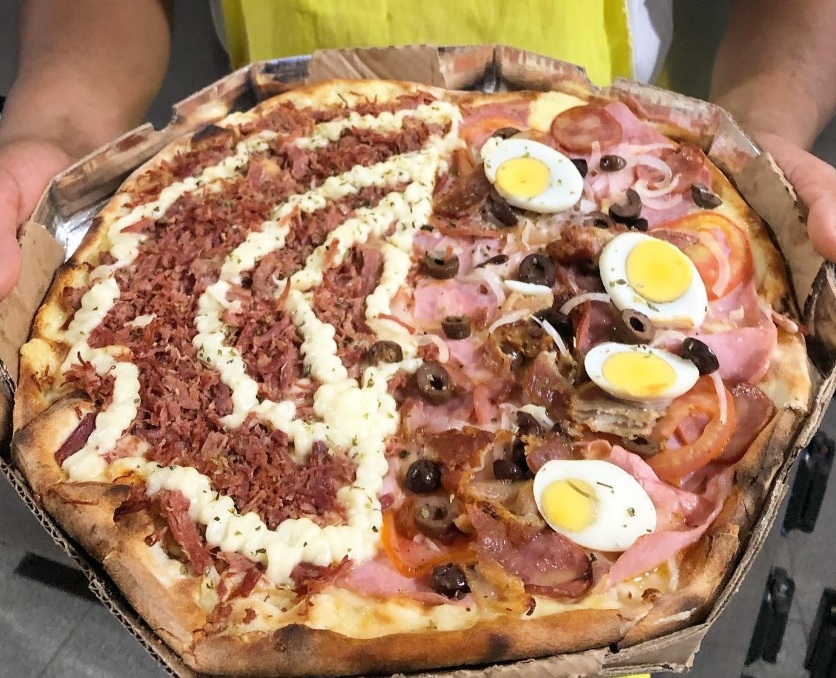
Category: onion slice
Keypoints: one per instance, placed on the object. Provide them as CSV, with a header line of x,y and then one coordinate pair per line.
x,y
587,296
723,267
665,336
556,338
443,351
491,279
721,396
508,318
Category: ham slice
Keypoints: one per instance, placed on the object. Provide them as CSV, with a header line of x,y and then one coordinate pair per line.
x,y
633,130
379,579
547,563
436,299
693,512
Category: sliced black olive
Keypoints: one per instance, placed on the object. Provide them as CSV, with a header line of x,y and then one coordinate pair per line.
x,y
612,163
505,469
384,352
599,219
517,454
700,354
527,424
636,327
559,321
440,266
433,383
514,353
641,446
456,326
537,269
501,210
434,516
423,476
704,197
640,224
449,581
581,165
629,209
505,132
495,260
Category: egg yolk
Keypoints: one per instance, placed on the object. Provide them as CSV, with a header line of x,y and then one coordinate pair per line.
x,y
638,373
569,504
524,177
658,271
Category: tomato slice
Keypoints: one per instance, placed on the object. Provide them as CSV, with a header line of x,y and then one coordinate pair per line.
x,y
722,254
413,559
673,465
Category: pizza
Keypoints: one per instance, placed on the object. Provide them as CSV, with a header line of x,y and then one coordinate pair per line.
x,y
379,377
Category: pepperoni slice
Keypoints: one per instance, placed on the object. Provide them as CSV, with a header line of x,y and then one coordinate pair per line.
x,y
576,129
686,162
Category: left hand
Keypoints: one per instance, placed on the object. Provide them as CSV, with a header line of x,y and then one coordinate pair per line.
x,y
815,183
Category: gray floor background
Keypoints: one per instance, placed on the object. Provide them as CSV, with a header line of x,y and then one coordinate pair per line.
x,y
49,632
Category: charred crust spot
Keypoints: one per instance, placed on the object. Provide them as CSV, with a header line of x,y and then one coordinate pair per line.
x,y
498,647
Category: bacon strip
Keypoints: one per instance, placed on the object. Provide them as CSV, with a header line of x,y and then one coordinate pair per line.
x,y
76,439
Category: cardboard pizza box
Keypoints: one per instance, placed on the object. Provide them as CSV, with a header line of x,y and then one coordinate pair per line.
x,y
69,204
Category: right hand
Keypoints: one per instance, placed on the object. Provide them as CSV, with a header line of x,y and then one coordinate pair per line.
x,y
26,167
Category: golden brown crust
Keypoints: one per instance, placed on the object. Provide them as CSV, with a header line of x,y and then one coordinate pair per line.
x,y
297,650
171,604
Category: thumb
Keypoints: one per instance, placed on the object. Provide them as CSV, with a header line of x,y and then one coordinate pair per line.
x,y
815,182
26,168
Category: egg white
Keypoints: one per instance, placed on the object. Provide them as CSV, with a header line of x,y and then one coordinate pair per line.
x,y
686,312
624,511
565,182
686,373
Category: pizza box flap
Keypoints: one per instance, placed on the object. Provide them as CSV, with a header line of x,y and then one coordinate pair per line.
x,y
68,205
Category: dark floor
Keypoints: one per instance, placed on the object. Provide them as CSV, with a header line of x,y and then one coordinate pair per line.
x,y
46,631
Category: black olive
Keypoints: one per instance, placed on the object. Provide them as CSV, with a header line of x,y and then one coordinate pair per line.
x,y
433,383
629,210
514,354
517,454
537,269
599,219
456,326
612,163
498,259
434,516
437,265
449,581
635,328
641,446
704,197
581,165
700,354
527,424
384,352
423,476
500,209
640,224
559,321
505,469
505,132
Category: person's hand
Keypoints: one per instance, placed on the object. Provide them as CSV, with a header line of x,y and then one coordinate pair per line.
x,y
815,182
26,167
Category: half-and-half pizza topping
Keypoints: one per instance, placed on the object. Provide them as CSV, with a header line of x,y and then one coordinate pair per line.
x,y
485,358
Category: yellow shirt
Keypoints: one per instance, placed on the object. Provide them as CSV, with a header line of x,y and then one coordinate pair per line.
x,y
593,33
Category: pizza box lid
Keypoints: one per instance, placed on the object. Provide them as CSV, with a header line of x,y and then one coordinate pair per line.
x,y
72,199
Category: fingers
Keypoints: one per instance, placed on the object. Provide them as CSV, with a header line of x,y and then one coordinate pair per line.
x,y
26,168
815,182
9,249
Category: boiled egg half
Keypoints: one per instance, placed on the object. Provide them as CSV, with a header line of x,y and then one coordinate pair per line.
x,y
639,373
531,175
594,503
654,277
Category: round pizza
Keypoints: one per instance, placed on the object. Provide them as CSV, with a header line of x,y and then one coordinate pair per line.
x,y
379,377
